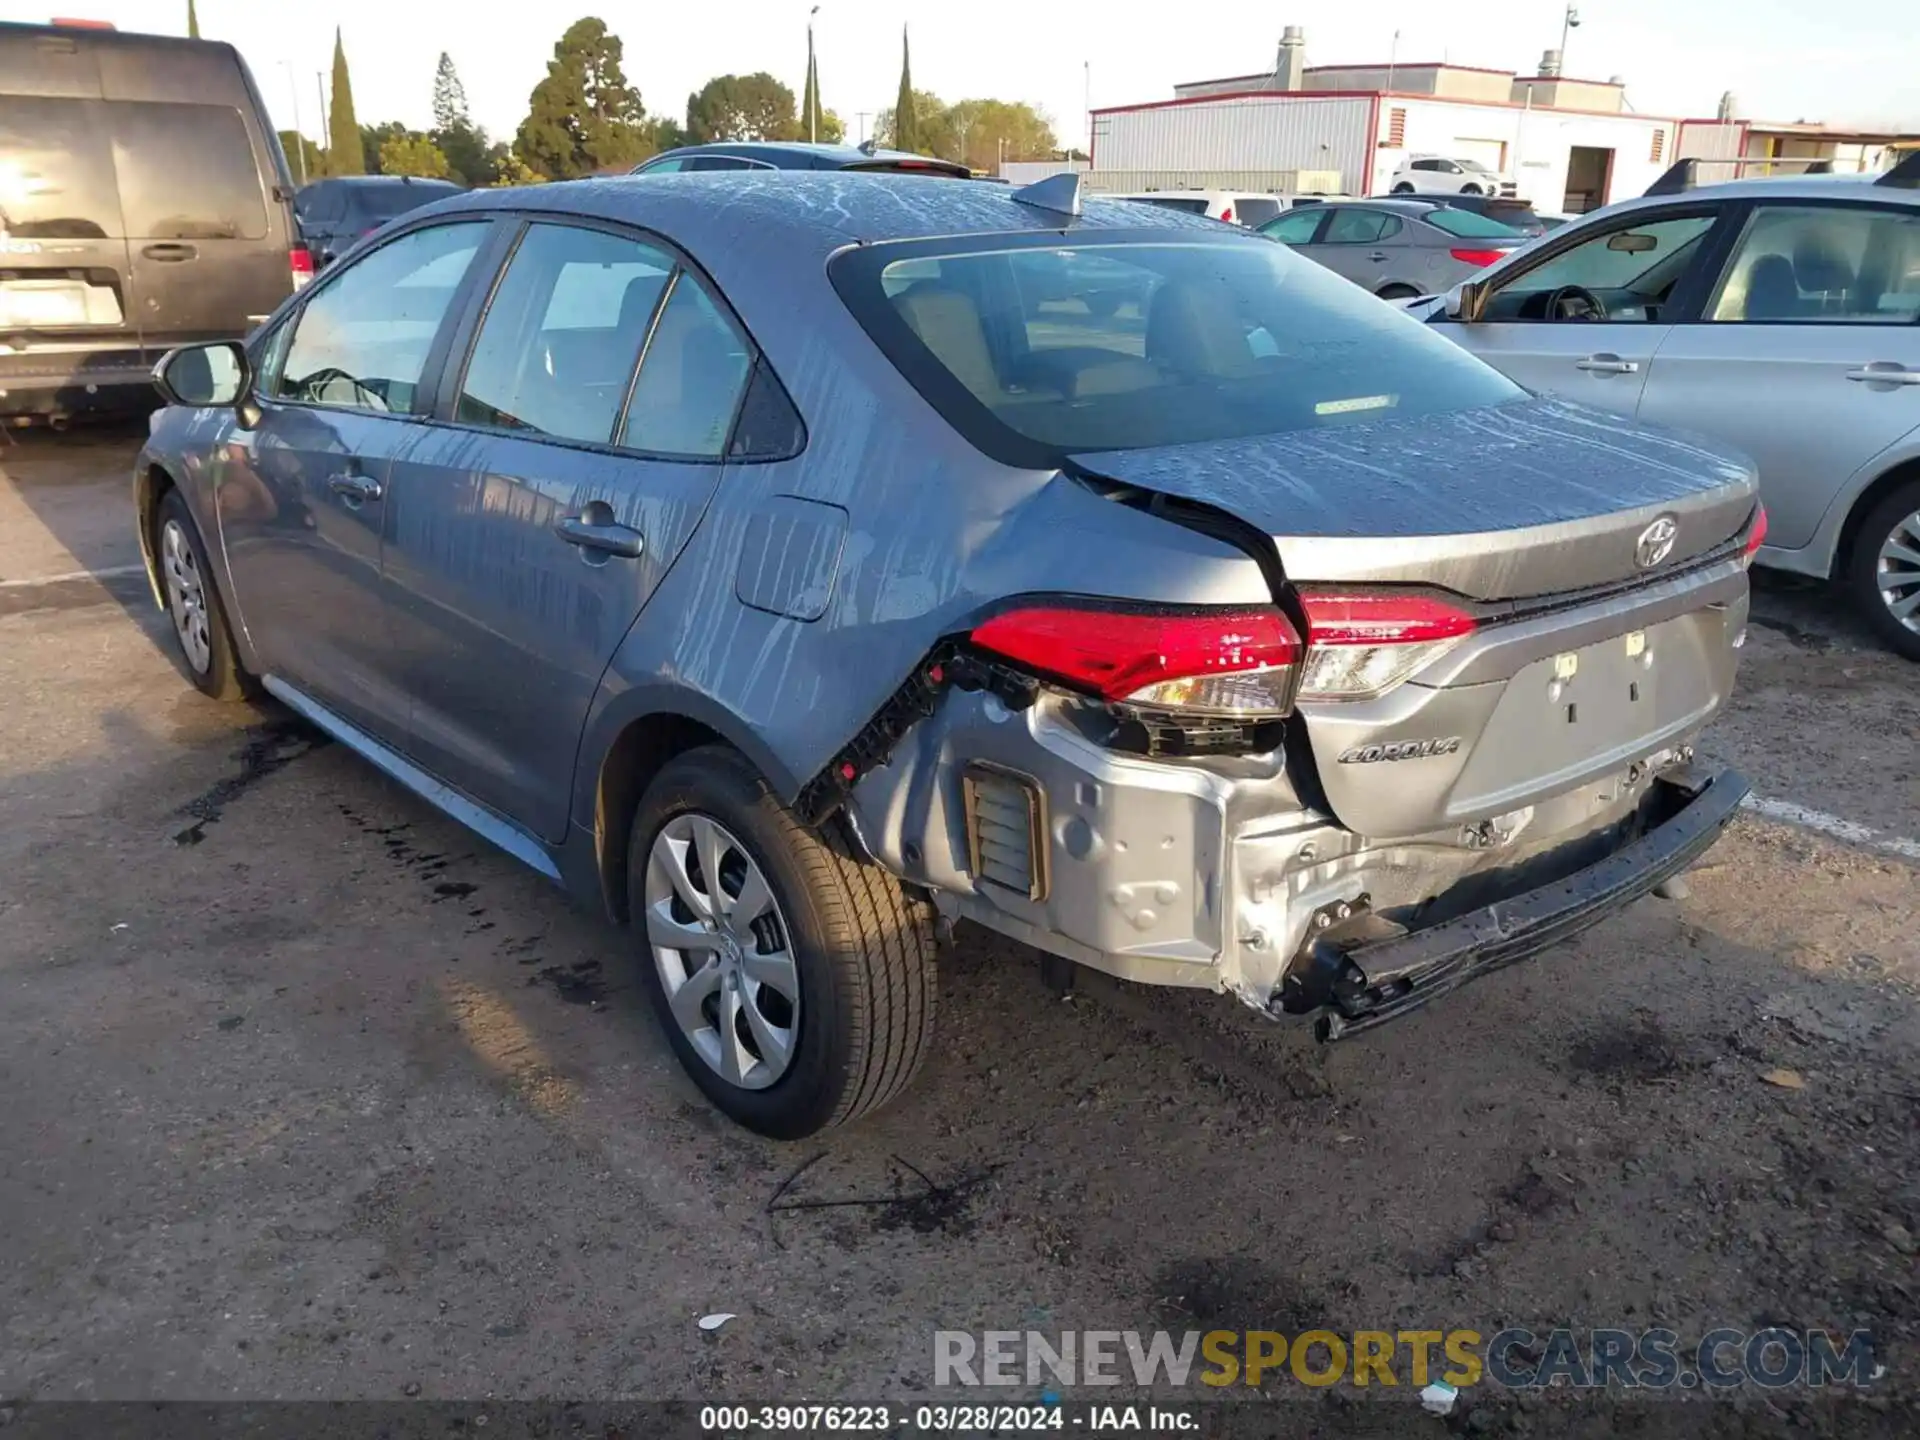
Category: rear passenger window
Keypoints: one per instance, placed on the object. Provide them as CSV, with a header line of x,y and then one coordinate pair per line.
x,y
1358,227
362,341
1256,210
690,380
557,349
187,172
56,171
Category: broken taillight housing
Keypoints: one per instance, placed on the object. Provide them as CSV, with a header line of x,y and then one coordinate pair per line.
x,y
1756,535
300,266
1238,662
1362,644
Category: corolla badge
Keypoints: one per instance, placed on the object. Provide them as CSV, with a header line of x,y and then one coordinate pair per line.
x,y
1655,542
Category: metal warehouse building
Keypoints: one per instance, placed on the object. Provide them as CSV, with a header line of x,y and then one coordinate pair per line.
x,y
1570,145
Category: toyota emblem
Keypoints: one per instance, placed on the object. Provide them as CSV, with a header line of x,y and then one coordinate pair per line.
x,y
1655,542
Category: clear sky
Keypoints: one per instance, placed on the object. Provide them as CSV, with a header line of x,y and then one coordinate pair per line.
x,y
1857,62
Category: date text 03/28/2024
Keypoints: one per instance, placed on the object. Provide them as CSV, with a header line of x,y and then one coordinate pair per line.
x,y
728,1420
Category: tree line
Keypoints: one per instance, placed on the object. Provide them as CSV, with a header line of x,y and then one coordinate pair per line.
x,y
585,118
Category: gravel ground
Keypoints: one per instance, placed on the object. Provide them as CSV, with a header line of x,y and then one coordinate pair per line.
x,y
313,1095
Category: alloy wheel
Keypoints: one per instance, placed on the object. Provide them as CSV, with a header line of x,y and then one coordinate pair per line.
x,y
1897,572
186,595
723,950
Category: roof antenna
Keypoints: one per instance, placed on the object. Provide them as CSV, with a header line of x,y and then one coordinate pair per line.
x,y
1059,193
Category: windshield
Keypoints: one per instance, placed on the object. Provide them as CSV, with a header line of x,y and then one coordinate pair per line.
x,y
1034,351
1469,226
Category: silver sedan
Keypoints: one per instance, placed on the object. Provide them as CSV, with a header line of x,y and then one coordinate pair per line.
x,y
1779,315
1397,248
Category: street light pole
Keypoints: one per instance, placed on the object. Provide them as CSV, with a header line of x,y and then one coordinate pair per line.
x,y
1569,21
1087,109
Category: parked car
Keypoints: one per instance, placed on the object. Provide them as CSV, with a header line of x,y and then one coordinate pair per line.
x,y
1396,248
143,204
1233,206
1448,175
797,155
765,561
1781,315
1514,214
336,213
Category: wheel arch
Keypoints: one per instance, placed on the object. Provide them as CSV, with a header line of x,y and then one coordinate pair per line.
x,y
640,737
151,482
1882,485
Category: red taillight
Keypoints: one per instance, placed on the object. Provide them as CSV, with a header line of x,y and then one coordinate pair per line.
x,y
1756,533
1234,662
1359,645
300,262
1227,214
1478,258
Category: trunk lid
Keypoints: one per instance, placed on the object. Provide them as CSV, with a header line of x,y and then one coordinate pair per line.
x,y
1516,509
1506,502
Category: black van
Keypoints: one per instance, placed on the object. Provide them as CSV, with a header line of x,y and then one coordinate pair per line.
x,y
144,203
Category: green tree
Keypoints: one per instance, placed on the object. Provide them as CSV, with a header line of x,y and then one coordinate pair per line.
x,y
832,128
906,134
305,160
374,138
509,169
454,134
741,107
929,130
345,154
810,101
412,154
583,117
987,131
193,22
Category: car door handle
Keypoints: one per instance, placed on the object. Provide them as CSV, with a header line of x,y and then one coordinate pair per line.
x,y
1378,257
1885,372
1607,365
593,534
169,252
356,490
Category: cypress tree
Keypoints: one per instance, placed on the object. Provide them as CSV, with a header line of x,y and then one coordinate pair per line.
x,y
193,22
906,126
346,154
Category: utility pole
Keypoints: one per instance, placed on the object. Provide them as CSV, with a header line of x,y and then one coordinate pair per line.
x,y
320,89
861,116
1087,109
1393,56
299,136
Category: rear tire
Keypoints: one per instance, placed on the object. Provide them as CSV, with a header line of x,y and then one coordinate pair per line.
x,y
855,947
1405,187
1396,292
1878,581
201,635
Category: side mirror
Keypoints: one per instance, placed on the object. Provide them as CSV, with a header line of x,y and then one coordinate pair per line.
x,y
1467,301
199,376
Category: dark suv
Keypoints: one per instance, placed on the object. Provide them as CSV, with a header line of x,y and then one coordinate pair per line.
x,y
336,213
147,206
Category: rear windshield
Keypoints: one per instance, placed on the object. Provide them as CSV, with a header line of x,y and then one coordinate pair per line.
x,y
1469,226
100,169
1035,350
383,202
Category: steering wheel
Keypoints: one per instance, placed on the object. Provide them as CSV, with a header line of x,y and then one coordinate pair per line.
x,y
327,374
1575,302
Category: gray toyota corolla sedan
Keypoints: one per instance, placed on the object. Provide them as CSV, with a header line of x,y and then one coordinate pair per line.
x,y
791,563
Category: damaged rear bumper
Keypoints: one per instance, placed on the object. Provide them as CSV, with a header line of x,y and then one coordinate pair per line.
x,y
1359,987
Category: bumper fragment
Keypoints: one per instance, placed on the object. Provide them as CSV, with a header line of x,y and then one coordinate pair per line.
x,y
1359,988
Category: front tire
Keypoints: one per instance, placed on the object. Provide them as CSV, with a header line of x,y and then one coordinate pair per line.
x,y
1469,189
796,985
1396,292
1884,571
201,634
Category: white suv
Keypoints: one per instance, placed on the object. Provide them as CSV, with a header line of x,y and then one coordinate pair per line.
x,y
1441,175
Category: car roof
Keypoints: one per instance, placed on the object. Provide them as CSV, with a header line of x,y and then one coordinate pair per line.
x,y
817,211
1398,204
773,150
351,180
1785,187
